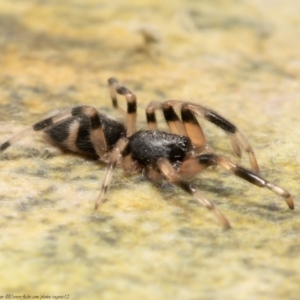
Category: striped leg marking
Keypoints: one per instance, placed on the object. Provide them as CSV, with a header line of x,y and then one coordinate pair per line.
x,y
151,116
238,141
254,179
41,125
170,173
96,132
174,123
196,164
115,88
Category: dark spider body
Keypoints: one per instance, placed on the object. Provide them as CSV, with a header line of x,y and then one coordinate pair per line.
x,y
147,146
182,152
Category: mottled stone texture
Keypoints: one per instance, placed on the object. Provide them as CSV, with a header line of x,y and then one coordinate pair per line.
x,y
240,58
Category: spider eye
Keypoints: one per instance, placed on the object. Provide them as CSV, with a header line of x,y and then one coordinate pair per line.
x,y
176,154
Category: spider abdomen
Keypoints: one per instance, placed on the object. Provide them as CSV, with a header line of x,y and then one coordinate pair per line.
x,y
73,134
148,146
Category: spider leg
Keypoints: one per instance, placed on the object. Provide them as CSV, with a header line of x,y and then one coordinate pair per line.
x,y
238,140
193,128
113,96
170,173
96,131
196,164
41,125
150,114
128,164
114,158
116,88
153,175
172,119
96,134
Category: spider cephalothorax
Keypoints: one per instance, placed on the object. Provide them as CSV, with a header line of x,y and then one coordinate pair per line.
x,y
182,152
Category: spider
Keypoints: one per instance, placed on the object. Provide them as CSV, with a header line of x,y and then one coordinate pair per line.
x,y
175,155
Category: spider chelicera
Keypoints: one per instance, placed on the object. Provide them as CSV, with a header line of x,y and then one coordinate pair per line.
x,y
174,156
